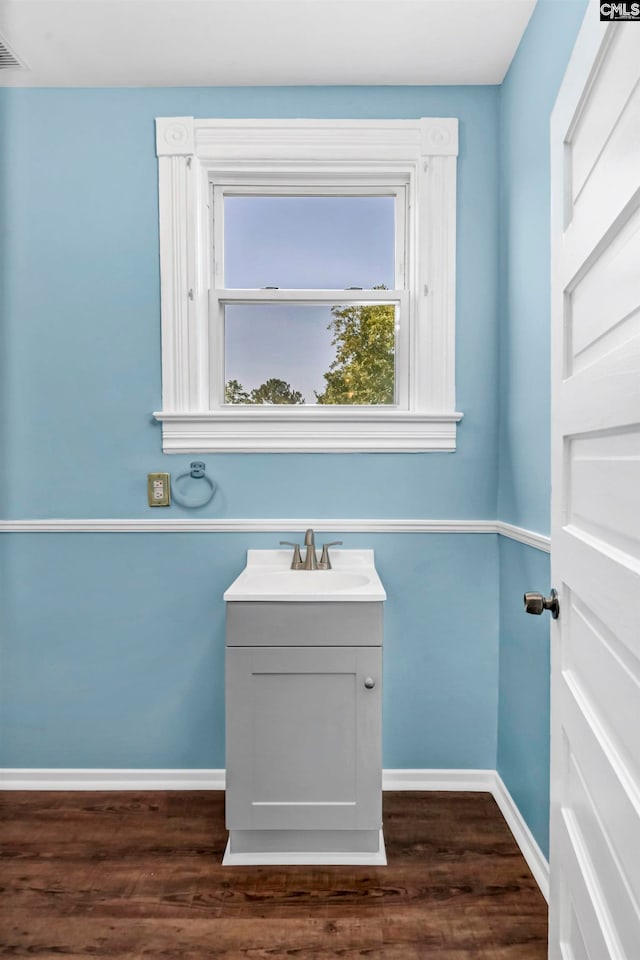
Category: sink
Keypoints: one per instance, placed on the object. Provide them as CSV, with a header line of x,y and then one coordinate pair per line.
x,y
267,576
307,581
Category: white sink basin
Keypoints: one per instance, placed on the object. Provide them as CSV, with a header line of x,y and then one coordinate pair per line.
x,y
267,576
307,581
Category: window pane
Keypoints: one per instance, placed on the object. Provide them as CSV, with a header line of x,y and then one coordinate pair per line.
x,y
301,353
329,243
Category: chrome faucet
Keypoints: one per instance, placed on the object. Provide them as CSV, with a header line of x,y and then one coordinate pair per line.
x,y
296,562
324,563
310,561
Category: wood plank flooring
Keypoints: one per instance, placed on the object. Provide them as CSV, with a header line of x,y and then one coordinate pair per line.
x,y
138,875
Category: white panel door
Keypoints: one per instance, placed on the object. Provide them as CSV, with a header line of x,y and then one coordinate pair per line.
x,y
595,669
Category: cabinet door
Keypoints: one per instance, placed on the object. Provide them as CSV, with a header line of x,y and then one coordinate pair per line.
x,y
304,738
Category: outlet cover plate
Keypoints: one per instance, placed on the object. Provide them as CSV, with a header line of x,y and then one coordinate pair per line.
x,y
159,489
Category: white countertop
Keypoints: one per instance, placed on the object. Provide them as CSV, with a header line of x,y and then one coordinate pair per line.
x,y
268,577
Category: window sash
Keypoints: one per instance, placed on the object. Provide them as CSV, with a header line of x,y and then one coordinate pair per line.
x,y
220,295
291,187
399,299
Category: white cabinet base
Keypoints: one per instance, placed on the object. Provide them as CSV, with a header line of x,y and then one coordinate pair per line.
x,y
305,847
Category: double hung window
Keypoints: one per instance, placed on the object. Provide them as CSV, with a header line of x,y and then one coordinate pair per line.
x,y
309,296
307,284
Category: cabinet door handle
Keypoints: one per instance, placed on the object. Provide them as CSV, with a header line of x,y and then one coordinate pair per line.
x,y
369,683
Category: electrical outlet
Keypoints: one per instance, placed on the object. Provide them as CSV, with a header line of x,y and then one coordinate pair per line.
x,y
159,489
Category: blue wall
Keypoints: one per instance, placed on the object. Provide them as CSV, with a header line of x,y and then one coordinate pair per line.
x,y
81,299
113,643
523,712
526,100
114,648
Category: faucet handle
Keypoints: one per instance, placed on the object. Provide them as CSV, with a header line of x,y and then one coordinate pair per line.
x,y
324,562
296,562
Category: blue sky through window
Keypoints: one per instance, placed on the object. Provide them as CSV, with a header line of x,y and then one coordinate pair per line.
x,y
332,242
309,242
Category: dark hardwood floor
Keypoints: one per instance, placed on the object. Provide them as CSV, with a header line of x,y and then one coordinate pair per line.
x,y
133,875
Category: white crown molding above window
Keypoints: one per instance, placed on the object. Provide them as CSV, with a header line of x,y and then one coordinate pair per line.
x,y
261,525
232,139
198,155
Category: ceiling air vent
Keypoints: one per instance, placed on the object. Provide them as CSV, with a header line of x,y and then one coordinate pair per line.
x,y
8,60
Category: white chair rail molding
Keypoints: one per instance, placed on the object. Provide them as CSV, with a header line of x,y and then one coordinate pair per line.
x,y
538,541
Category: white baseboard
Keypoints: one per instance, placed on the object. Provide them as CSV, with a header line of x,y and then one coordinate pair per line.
x,y
467,780
100,779
89,779
536,860
488,781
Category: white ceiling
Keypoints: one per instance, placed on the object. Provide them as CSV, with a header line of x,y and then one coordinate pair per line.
x,y
105,43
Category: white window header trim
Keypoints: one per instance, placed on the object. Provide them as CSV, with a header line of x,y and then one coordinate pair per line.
x,y
348,139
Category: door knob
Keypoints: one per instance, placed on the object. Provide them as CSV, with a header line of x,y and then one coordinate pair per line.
x,y
536,603
369,683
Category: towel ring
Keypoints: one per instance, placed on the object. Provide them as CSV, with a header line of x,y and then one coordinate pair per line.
x,y
197,472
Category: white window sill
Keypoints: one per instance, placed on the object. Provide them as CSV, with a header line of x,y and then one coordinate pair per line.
x,y
269,429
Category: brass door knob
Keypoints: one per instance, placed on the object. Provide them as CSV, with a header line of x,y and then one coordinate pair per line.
x,y
536,603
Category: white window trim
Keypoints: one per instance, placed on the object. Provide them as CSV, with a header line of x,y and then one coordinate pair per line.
x,y
194,153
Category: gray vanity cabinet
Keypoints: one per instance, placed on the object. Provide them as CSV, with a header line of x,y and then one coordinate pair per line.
x,y
303,713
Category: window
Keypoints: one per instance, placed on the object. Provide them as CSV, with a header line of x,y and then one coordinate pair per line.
x,y
307,273
309,295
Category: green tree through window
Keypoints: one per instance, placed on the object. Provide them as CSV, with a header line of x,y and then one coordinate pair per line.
x,y
234,392
274,390
362,373
271,391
